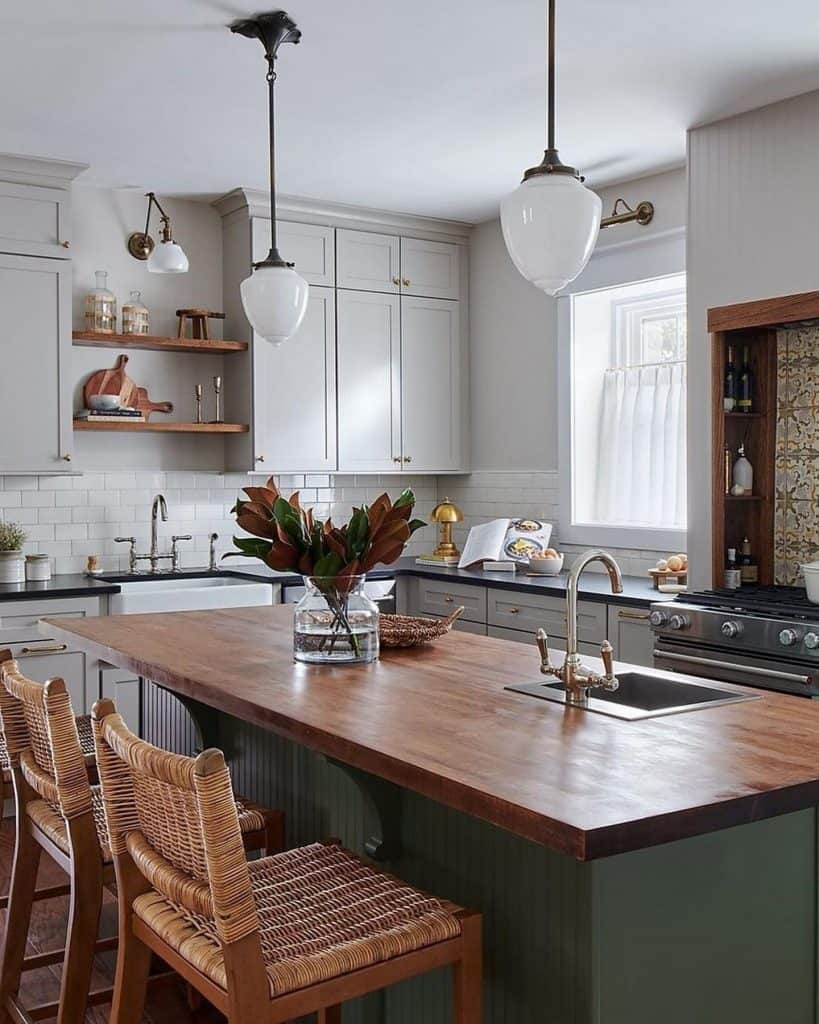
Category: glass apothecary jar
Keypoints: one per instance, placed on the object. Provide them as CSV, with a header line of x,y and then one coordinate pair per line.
x,y
335,622
135,316
101,307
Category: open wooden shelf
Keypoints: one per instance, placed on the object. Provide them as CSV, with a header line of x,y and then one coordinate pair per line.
x,y
160,427
744,415
155,343
744,497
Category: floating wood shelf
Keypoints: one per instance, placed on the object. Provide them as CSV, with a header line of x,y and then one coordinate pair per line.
x,y
156,343
744,497
744,415
160,427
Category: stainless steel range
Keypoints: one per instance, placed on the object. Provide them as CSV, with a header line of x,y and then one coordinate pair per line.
x,y
757,636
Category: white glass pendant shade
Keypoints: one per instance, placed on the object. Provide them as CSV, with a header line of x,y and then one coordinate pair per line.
x,y
550,225
275,301
168,258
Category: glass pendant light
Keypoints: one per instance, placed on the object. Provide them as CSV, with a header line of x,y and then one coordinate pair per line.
x,y
274,296
551,221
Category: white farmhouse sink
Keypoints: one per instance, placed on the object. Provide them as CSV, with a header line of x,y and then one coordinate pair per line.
x,y
185,595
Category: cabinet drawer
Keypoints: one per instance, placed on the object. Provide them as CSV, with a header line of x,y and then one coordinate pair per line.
x,y
45,659
33,220
521,637
531,612
437,597
20,620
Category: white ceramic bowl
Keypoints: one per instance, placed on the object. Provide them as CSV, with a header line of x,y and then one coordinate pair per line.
x,y
103,403
546,566
811,574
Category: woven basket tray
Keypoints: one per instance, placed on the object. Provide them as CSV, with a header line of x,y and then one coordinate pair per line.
x,y
413,630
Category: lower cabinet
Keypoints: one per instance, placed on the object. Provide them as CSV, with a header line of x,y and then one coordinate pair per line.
x,y
43,660
520,636
631,635
122,687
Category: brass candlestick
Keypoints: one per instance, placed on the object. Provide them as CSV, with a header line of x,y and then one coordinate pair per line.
x,y
217,387
198,393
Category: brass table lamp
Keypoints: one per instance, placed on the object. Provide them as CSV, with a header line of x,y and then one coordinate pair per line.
x,y
445,514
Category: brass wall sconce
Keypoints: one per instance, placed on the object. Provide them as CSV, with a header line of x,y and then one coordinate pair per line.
x,y
167,257
643,214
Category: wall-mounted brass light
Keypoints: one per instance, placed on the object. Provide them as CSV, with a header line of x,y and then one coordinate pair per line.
x,y
167,257
643,213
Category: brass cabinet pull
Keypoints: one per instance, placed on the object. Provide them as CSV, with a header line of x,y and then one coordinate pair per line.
x,y
448,598
407,458
260,458
66,457
396,280
396,458
47,649
65,245
407,282
637,616
514,611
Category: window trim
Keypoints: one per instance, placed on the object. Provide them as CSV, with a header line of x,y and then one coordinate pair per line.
x,y
635,538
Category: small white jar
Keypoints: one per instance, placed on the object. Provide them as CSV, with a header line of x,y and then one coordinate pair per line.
x,y
38,568
12,565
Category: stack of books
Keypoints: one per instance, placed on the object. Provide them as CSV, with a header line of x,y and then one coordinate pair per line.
x,y
111,415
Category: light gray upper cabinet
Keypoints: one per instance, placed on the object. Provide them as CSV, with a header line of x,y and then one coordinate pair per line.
x,y
311,247
368,262
34,221
631,635
369,382
431,385
430,269
294,401
35,347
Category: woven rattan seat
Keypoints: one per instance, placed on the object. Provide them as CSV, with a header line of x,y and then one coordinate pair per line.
x,y
322,913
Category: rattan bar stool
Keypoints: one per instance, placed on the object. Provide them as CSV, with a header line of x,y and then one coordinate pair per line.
x,y
268,940
59,810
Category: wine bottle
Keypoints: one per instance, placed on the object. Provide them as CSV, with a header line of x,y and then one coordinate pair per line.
x,y
745,388
730,389
733,575
748,569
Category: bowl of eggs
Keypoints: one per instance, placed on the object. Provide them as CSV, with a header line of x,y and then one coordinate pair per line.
x,y
546,563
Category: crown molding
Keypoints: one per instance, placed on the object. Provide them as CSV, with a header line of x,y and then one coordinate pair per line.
x,y
343,215
37,170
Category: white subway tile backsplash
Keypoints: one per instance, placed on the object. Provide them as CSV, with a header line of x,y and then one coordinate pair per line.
x,y
70,498
55,515
38,499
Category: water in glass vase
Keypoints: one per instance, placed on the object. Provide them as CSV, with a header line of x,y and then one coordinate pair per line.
x,y
335,622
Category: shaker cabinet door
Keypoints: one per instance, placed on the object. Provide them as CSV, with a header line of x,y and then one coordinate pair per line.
x,y
369,382
431,385
368,262
34,221
430,269
295,393
35,339
311,247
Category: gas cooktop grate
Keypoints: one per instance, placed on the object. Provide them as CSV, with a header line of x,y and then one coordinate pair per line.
x,y
778,602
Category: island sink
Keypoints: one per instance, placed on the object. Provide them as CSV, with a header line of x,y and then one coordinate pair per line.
x,y
639,695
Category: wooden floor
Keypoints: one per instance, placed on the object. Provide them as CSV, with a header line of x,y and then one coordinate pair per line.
x,y
167,1003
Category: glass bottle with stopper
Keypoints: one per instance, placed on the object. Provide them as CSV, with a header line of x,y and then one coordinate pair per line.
x,y
135,316
101,307
743,474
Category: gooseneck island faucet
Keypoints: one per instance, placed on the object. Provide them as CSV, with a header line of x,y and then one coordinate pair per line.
x,y
159,507
575,676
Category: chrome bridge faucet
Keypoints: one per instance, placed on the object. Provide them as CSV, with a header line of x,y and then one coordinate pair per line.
x,y
575,676
159,507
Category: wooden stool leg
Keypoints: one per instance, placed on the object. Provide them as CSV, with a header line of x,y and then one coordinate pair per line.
x,y
131,980
468,974
274,832
21,898
83,920
331,1015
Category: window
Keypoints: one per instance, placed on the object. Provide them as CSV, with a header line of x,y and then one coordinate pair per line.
x,y
627,412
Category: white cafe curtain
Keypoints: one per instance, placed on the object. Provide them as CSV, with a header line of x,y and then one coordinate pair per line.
x,y
641,469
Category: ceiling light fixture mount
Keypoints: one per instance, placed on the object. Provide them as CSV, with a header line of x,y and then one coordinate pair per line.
x,y
169,258
274,296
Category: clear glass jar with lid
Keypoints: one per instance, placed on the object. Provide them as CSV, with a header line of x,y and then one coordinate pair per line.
x,y
335,622
135,316
101,307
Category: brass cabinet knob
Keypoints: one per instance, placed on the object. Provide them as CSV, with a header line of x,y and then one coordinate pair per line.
x,y
66,457
396,280
65,245
448,599
407,282
514,611
260,458
396,458
407,458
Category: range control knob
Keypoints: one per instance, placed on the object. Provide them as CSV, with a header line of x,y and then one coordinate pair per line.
x,y
788,637
731,629
658,618
811,641
679,622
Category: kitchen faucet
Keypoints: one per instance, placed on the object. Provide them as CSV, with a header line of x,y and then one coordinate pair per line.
x,y
159,507
575,676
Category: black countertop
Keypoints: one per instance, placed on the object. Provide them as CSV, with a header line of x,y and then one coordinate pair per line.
x,y
594,586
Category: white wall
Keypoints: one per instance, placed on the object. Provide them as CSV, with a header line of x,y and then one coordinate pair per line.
x,y
752,233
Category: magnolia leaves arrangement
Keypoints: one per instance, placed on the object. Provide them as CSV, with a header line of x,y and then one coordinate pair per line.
x,y
288,538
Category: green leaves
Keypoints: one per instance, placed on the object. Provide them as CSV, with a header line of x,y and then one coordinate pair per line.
x,y
288,538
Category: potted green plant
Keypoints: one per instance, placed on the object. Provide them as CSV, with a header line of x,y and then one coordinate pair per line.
x,y
12,559
335,621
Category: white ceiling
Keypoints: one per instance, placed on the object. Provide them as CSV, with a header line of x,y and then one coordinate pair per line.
x,y
431,106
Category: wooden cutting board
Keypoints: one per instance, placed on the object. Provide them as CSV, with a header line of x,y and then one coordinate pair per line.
x,y
117,382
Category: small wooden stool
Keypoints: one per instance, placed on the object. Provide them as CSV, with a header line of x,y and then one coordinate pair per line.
x,y
199,322
265,941
59,810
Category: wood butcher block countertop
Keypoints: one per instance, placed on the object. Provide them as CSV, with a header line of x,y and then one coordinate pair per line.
x,y
438,721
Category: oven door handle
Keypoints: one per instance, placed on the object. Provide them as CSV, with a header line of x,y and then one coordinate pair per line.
x,y
688,659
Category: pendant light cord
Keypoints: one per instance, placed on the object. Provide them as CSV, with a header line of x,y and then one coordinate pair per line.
x,y
550,99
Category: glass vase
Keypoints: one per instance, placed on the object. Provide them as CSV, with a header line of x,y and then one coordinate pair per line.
x,y
101,307
135,316
335,622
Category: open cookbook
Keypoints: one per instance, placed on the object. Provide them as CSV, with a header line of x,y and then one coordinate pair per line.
x,y
505,540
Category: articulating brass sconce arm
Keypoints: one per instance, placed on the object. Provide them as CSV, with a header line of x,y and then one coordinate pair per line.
x,y
643,214
140,243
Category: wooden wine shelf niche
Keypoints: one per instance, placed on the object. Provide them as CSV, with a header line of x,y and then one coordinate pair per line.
x,y
755,325
160,427
156,343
